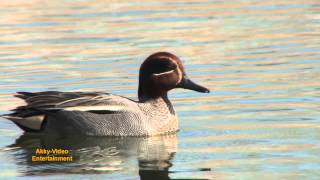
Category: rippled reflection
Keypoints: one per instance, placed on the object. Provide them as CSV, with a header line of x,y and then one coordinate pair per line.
x,y
149,156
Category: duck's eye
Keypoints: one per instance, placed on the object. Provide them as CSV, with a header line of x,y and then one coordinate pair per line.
x,y
163,66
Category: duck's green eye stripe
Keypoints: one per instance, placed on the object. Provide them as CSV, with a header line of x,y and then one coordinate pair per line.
x,y
163,66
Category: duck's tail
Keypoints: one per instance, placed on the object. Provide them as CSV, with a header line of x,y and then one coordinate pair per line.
x,y
32,123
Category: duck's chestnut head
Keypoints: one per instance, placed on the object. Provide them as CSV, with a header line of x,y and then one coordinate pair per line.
x,y
161,72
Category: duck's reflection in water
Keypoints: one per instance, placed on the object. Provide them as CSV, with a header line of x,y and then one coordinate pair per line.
x,y
148,157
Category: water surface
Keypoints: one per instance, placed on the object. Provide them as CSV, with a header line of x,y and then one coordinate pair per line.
x,y
260,59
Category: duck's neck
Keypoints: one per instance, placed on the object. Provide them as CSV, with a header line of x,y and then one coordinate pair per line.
x,y
146,94
161,101
147,91
147,97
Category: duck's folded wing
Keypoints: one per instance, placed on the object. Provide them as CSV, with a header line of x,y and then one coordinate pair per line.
x,y
30,117
62,100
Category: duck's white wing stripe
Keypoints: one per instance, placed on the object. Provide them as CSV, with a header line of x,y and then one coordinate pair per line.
x,y
95,108
83,100
70,100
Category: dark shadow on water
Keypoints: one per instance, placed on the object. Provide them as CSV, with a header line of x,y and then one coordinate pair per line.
x,y
148,157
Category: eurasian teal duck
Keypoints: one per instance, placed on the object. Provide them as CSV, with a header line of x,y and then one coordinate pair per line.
x,y
103,114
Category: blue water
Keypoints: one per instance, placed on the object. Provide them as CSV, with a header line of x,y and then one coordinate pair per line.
x,y
259,59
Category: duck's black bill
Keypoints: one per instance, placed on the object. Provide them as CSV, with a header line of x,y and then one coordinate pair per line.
x,y
186,83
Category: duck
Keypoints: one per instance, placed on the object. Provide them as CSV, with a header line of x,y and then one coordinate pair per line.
x,y
104,114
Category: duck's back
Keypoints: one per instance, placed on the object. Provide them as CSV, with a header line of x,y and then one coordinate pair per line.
x,y
97,114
